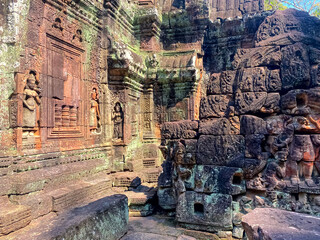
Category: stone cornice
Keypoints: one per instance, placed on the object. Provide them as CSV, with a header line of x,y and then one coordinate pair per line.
x,y
85,10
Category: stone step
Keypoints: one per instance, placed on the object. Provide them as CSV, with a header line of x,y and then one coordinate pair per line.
x,y
13,217
50,178
35,205
141,200
106,218
79,193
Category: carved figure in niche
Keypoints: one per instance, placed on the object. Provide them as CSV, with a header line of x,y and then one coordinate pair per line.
x,y
94,111
182,173
295,67
78,36
117,117
30,101
302,107
152,61
179,153
57,24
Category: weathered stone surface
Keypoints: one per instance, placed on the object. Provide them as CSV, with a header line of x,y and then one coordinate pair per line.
x,y
295,67
205,212
252,125
269,223
210,179
165,178
214,106
219,150
126,180
106,218
176,130
146,236
13,217
167,198
221,126
246,102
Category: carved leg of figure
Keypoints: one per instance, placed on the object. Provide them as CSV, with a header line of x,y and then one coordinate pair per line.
x,y
307,165
307,168
272,183
292,171
317,165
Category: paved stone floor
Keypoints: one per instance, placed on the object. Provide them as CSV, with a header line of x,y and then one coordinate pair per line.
x,y
158,227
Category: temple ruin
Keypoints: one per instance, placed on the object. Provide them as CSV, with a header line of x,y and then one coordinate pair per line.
x,y
201,110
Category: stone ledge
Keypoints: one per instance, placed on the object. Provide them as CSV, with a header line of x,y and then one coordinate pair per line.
x,y
106,218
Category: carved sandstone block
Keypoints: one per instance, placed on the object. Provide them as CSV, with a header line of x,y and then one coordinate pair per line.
x,y
205,212
176,130
220,126
252,125
167,199
226,180
295,67
214,106
13,217
219,150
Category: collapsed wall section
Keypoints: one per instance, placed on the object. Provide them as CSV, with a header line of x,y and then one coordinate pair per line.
x,y
255,144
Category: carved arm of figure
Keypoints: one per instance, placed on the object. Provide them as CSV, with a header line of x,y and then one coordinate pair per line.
x,y
285,138
37,98
313,121
98,111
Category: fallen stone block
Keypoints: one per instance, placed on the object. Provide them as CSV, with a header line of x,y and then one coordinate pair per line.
x,y
276,224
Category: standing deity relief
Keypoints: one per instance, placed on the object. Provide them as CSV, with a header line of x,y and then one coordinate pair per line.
x,y
117,117
95,122
293,141
31,101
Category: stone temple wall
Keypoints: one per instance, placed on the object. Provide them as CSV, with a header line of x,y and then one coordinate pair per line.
x,y
256,143
76,105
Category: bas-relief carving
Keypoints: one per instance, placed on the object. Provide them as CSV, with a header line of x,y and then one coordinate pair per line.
x,y
95,123
118,120
31,101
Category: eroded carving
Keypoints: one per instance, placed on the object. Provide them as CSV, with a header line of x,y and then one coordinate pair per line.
x,y
94,112
117,117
